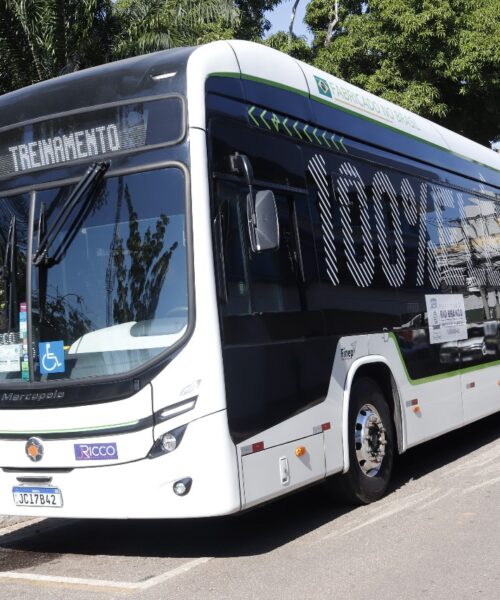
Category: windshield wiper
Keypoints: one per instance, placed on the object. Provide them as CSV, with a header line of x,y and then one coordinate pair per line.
x,y
42,273
81,193
8,274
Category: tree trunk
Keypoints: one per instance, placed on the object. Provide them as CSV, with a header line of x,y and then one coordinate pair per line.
x,y
292,19
334,19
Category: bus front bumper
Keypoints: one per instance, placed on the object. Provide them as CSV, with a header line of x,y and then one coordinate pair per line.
x,y
143,489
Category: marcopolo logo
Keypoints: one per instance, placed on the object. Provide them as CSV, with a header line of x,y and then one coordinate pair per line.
x,y
323,87
34,396
96,451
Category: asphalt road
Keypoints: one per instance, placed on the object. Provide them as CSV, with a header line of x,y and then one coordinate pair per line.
x,y
435,535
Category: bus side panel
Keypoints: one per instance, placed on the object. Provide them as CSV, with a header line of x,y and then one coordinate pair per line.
x,y
377,233
269,383
278,470
428,409
480,392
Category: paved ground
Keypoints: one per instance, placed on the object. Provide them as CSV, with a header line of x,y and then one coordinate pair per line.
x,y
436,535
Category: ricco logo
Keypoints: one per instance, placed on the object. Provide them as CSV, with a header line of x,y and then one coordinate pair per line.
x,y
96,451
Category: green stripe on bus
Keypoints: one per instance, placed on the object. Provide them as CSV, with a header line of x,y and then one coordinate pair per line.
x,y
447,375
45,431
354,113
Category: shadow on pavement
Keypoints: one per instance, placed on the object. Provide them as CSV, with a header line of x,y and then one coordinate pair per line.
x,y
252,533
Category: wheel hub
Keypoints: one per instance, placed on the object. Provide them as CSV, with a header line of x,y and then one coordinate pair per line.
x,y
370,440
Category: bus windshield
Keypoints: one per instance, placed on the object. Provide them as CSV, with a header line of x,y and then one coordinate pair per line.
x,y
110,293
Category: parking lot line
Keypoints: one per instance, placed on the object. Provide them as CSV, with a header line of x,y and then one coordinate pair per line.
x,y
103,584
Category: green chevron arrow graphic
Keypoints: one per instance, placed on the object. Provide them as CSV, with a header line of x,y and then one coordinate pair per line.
x,y
250,114
284,125
262,115
297,131
305,131
276,122
326,141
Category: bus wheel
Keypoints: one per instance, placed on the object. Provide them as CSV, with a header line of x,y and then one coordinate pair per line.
x,y
371,445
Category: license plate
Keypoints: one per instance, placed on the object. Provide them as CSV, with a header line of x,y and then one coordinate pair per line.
x,y
37,496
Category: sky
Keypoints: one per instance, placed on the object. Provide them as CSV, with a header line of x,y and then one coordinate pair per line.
x,y
280,18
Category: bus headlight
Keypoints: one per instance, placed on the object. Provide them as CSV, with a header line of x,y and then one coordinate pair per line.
x,y
167,442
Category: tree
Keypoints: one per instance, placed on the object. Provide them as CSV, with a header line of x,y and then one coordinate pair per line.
x,y
150,25
291,44
439,58
40,39
253,23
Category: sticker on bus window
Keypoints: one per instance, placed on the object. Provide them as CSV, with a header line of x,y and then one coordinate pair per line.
x,y
446,317
23,336
10,358
51,355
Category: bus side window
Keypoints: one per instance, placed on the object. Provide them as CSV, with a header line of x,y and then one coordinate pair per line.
x,y
275,275
232,222
257,282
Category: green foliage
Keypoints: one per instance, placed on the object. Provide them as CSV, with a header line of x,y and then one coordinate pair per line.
x,y
320,12
250,25
439,58
296,47
40,39
253,24
43,38
149,25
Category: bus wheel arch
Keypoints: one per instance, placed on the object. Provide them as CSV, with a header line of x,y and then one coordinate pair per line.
x,y
372,432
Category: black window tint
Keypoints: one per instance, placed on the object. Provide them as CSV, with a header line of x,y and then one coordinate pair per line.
x,y
230,213
274,160
256,282
353,291
13,256
273,274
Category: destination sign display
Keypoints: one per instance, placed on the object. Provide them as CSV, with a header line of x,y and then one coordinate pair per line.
x,y
72,146
87,135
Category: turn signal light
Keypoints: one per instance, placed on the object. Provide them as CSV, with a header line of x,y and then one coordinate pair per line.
x,y
300,451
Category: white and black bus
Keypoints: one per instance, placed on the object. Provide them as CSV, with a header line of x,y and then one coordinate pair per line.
x,y
226,275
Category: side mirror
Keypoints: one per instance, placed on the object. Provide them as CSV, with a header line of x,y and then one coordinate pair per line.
x,y
262,214
263,221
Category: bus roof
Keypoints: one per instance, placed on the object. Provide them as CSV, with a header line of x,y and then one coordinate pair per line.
x,y
146,76
263,64
112,82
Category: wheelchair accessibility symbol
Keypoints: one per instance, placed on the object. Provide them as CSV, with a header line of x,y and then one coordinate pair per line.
x,y
51,357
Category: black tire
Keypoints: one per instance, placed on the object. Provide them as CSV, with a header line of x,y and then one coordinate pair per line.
x,y
367,480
